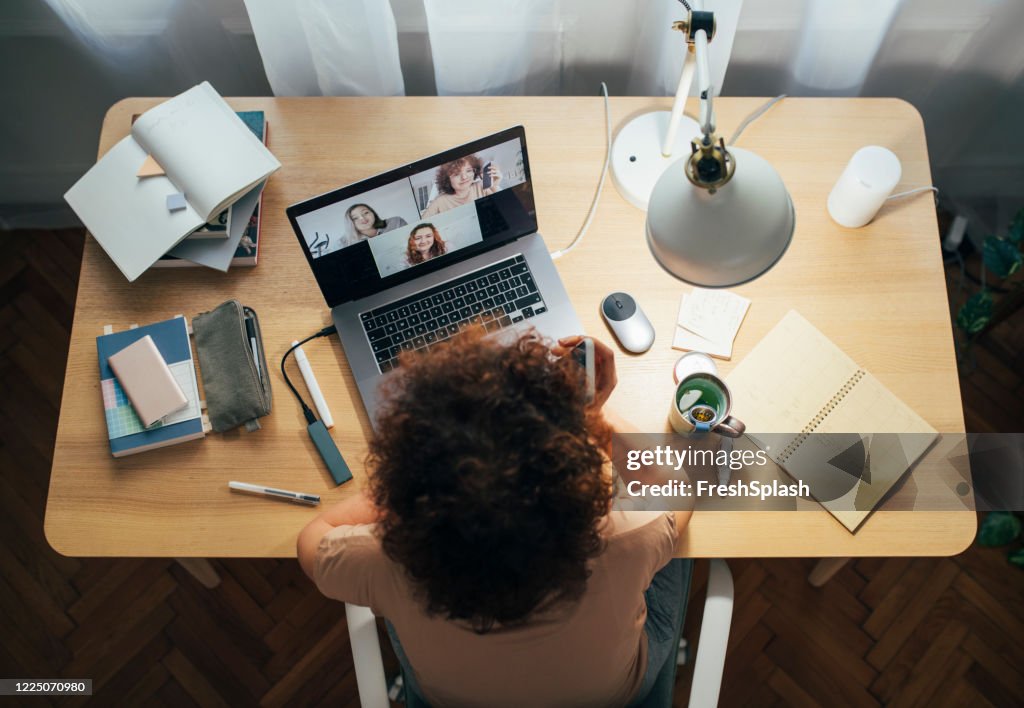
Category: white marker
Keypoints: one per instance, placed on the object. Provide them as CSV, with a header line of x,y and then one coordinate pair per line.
x,y
297,497
313,386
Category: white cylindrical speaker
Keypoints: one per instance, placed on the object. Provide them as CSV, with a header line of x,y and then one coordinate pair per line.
x,y
864,185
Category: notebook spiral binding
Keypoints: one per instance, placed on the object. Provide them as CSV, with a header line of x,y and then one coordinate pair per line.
x,y
822,414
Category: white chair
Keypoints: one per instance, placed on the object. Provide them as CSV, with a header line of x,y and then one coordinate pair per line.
x,y
707,670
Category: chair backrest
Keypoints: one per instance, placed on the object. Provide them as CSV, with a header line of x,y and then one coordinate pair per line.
x,y
708,668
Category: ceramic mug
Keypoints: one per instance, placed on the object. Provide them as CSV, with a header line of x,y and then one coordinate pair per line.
x,y
701,403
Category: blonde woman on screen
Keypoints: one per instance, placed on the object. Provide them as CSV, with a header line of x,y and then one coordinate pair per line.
x,y
364,223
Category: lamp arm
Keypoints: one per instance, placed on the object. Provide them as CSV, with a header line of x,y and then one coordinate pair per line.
x,y
707,113
710,165
685,81
698,29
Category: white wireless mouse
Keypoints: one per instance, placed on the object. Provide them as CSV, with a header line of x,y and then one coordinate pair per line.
x,y
628,322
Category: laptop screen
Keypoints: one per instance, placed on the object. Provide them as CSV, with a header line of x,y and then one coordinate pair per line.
x,y
417,218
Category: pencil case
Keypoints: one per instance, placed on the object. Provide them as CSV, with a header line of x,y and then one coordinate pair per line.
x,y
234,370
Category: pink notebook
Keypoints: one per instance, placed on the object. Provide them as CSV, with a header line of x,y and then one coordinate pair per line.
x,y
147,381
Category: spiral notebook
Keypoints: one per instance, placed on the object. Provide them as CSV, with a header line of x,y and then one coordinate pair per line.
x,y
825,420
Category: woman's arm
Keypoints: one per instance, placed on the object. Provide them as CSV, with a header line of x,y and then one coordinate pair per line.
x,y
357,509
621,425
433,209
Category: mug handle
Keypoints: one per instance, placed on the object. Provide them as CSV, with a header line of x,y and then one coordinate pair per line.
x,y
730,428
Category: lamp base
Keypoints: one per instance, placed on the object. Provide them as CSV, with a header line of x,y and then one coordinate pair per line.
x,y
637,162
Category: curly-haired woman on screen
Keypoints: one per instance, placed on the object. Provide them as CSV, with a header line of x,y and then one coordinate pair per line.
x,y
462,182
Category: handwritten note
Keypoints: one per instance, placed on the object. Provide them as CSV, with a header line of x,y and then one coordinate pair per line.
x,y
686,340
709,320
713,314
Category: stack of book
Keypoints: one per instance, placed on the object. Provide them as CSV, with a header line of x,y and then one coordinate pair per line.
x,y
235,231
184,188
129,389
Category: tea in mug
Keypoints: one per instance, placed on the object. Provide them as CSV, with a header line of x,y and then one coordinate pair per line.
x,y
702,396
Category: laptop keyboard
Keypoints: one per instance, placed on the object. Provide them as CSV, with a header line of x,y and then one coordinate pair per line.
x,y
496,296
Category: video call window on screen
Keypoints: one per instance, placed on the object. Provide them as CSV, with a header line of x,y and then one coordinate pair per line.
x,y
412,221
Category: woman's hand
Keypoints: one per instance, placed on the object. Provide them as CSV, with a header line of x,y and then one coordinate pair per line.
x,y
495,176
605,377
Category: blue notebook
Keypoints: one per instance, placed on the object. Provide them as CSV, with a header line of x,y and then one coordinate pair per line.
x,y
124,429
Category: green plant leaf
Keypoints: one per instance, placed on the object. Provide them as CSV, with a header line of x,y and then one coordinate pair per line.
x,y
1001,256
975,313
998,528
1017,557
1017,228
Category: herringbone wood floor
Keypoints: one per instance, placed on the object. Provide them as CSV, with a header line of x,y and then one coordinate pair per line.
x,y
883,631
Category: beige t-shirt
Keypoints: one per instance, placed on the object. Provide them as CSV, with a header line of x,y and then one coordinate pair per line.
x,y
443,202
589,653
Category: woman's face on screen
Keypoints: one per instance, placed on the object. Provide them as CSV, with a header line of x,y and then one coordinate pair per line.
x,y
423,240
362,218
463,179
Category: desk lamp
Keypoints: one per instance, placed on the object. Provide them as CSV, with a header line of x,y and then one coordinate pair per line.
x,y
720,216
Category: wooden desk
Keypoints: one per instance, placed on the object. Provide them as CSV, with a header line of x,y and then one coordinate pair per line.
x,y
877,292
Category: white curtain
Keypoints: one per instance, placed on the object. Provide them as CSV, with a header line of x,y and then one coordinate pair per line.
x,y
515,47
538,47
839,42
495,48
328,47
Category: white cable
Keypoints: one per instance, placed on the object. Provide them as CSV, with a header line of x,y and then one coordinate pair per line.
x,y
600,185
761,111
754,116
914,191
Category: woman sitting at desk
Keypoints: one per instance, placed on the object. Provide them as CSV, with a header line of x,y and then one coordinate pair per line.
x,y
462,182
487,537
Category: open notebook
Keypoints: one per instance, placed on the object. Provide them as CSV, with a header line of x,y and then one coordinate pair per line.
x,y
825,420
208,154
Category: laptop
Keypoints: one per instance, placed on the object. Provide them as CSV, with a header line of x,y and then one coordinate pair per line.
x,y
410,257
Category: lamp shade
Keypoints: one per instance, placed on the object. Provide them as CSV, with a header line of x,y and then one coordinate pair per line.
x,y
725,238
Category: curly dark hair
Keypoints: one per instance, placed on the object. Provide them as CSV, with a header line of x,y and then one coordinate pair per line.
x,y
443,178
487,469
